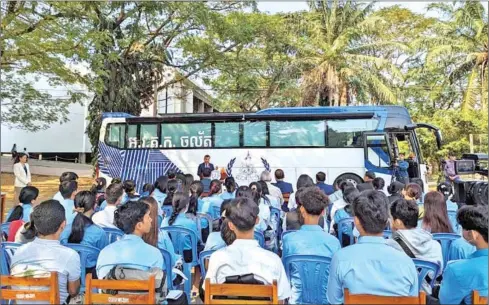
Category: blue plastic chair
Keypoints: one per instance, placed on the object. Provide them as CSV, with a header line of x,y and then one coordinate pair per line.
x,y
345,226
178,235
215,211
203,256
313,271
160,220
287,232
201,216
168,210
260,238
168,268
387,234
112,234
423,268
85,253
275,219
445,239
5,227
8,250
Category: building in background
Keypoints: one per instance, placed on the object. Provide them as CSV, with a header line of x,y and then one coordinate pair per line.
x,y
69,142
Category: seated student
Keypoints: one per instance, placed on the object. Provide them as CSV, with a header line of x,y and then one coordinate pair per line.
x,y
263,205
446,189
131,251
367,185
303,181
179,217
395,191
130,193
266,177
412,191
68,190
244,255
435,218
349,193
148,189
155,237
416,243
46,252
160,190
66,176
113,196
171,189
20,214
284,187
338,194
419,182
83,230
379,184
462,276
213,199
98,189
230,192
371,266
195,192
215,240
460,249
206,179
326,188
272,201
310,239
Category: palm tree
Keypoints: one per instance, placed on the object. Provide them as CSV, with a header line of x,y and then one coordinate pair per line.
x,y
462,42
342,58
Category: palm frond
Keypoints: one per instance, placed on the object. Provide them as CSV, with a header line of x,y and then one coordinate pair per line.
x,y
471,93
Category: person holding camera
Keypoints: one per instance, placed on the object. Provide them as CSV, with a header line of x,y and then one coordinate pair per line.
x,y
449,169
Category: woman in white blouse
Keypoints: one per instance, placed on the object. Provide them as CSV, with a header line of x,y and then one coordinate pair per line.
x,y
22,174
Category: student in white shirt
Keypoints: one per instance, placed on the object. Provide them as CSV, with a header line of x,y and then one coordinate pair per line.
x,y
46,253
244,255
22,175
113,196
66,176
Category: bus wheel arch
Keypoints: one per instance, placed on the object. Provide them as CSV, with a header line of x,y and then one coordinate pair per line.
x,y
350,177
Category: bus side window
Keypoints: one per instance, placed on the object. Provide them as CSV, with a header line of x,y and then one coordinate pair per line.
x,y
116,136
255,134
378,151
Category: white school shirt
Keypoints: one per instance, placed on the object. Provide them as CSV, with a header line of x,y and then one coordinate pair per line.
x,y
275,192
337,205
105,218
245,256
59,197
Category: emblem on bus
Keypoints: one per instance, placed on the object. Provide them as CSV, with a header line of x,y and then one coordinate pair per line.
x,y
247,172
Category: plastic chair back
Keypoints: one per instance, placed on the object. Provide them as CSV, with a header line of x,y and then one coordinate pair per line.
x,y
345,226
8,251
14,292
168,268
234,293
168,210
112,234
313,272
260,238
423,268
387,234
203,257
275,219
445,239
85,253
200,217
215,211
477,299
121,286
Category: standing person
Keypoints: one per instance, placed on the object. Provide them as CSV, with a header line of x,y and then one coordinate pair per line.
x,y
22,175
14,152
204,165
371,266
463,276
449,169
284,187
320,182
402,174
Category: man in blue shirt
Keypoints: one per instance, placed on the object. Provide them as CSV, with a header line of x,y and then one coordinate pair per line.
x,y
68,190
131,251
326,188
462,276
371,266
311,239
285,187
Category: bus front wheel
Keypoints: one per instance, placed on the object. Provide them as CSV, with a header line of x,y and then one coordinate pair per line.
x,y
352,178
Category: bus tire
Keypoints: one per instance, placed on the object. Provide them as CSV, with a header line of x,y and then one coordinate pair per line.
x,y
355,179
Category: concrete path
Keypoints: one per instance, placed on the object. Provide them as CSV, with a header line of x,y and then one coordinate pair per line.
x,y
49,168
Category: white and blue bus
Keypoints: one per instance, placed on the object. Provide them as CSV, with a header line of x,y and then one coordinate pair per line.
x,y
343,142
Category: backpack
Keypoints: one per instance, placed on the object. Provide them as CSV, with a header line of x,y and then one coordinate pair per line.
x,y
126,273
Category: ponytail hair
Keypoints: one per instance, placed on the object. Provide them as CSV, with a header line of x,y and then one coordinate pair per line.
x,y
84,202
196,188
17,213
129,186
215,187
99,186
257,192
230,184
30,230
180,202
161,183
171,188
264,191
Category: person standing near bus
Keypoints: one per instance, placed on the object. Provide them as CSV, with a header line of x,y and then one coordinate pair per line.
x,y
204,165
22,175
449,169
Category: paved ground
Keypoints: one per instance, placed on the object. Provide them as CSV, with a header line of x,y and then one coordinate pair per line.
x,y
49,168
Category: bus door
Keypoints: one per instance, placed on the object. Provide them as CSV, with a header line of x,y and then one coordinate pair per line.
x,y
378,156
405,143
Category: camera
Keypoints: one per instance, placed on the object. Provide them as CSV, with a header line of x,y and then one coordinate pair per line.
x,y
471,193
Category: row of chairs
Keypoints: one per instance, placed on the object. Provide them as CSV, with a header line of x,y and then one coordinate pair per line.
x,y
215,293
